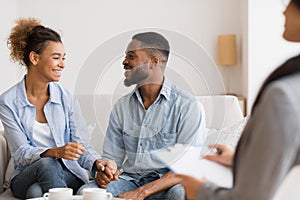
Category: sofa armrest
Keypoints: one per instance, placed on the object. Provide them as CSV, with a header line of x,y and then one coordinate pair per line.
x,y
3,159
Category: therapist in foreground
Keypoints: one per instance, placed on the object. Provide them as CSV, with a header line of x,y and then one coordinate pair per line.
x,y
270,144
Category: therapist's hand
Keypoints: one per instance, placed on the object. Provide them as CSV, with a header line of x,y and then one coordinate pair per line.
x,y
224,156
191,185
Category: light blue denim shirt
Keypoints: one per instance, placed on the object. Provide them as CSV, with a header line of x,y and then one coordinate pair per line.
x,y
133,132
64,119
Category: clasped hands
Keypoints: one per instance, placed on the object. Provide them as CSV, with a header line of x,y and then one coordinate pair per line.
x,y
107,171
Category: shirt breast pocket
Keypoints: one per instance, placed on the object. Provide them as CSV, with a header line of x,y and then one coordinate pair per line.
x,y
131,140
165,139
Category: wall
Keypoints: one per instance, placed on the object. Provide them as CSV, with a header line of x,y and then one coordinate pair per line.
x,y
86,25
8,71
266,47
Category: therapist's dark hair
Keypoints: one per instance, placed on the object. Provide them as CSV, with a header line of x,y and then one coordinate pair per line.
x,y
297,2
29,35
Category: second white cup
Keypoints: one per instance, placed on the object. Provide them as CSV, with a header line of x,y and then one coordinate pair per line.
x,y
96,194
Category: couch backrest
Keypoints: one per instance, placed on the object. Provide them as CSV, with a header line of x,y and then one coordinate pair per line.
x,y
221,111
3,159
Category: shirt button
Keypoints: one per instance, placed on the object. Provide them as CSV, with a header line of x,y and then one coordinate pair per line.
x,y
145,125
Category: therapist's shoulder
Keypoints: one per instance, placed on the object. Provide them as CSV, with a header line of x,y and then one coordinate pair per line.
x,y
287,86
283,93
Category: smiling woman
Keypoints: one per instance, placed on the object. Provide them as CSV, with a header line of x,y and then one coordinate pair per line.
x,y
39,117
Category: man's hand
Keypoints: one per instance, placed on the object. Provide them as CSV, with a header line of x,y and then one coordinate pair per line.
x,y
136,194
165,182
106,172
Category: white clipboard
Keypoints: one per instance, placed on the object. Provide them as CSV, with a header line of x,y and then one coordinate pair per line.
x,y
182,159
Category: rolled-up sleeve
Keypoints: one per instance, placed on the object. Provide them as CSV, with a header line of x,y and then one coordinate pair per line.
x,y
23,152
79,133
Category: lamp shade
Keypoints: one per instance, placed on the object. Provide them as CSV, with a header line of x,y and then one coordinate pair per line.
x,y
227,50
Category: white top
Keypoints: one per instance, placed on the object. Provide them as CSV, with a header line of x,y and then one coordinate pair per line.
x,y
42,135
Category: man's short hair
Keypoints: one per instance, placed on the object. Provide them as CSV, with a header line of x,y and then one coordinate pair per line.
x,y
154,41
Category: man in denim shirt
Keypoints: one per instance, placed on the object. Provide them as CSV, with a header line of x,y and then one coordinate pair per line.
x,y
153,116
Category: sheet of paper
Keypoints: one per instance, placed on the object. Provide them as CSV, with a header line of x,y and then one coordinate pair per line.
x,y
185,160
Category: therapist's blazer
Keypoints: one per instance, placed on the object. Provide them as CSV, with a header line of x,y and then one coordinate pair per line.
x,y
269,146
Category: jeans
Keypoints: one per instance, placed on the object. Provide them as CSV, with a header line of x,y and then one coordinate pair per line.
x,y
40,176
121,186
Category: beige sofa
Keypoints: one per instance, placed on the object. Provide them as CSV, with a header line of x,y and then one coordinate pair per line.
x,y
223,116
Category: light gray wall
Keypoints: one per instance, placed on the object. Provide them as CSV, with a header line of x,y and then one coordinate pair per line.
x,y
266,47
8,71
86,25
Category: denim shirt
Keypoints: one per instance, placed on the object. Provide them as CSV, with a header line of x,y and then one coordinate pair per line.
x,y
133,132
65,122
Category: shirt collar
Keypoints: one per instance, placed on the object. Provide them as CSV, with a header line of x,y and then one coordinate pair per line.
x,y
22,100
55,94
21,97
165,90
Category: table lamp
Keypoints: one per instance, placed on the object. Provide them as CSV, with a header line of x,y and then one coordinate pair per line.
x,y
227,50
227,54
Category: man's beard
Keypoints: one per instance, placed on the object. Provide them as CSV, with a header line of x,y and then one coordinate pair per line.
x,y
138,74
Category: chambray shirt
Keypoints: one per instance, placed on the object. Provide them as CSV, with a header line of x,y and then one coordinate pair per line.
x,y
18,114
133,132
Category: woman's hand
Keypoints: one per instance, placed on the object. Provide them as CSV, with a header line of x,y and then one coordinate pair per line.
x,y
191,185
223,156
70,151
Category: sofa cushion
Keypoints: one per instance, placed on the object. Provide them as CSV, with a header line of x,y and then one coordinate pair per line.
x,y
7,195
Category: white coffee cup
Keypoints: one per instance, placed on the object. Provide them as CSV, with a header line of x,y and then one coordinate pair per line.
x,y
96,194
59,193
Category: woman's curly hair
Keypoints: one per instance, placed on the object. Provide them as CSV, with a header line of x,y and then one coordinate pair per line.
x,y
29,35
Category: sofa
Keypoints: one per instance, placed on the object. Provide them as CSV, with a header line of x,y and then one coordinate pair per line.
x,y
224,122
